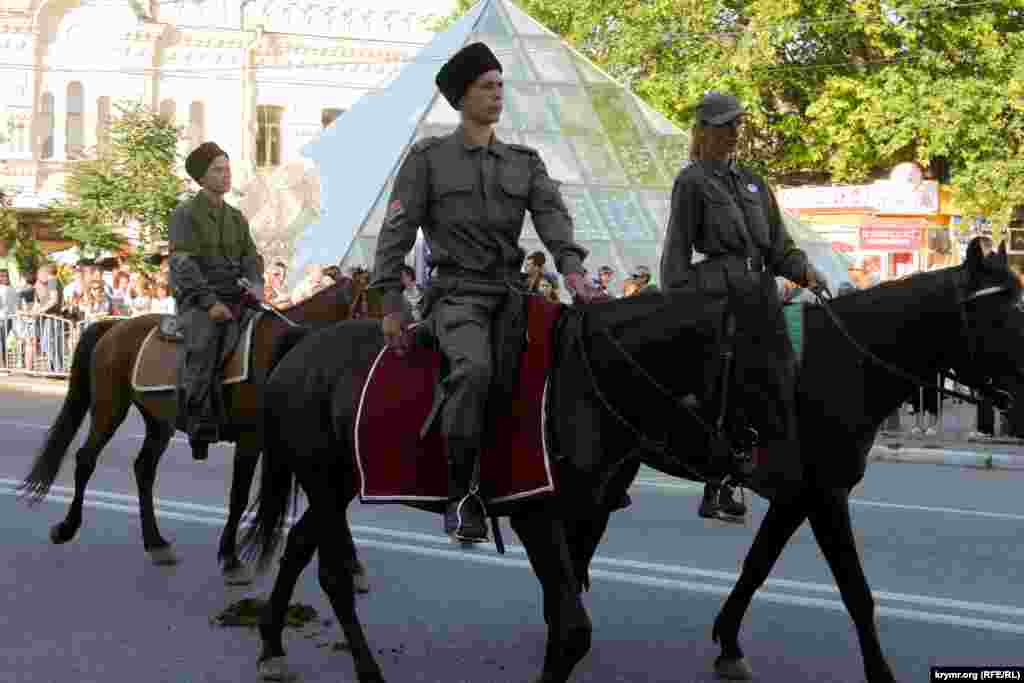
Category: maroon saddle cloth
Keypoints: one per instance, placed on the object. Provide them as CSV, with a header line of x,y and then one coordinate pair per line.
x,y
396,466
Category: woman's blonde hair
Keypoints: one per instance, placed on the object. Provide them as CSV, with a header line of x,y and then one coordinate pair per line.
x,y
696,141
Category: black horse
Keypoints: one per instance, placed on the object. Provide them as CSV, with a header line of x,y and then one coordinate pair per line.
x,y
657,345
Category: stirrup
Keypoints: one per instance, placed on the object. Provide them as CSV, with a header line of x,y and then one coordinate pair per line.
x,y
456,533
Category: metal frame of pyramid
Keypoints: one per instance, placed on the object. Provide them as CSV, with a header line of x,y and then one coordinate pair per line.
x,y
615,157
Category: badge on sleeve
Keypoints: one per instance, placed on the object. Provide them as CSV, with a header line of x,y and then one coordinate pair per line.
x,y
752,187
395,211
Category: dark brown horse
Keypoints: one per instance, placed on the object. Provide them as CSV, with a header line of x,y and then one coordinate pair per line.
x,y
963,318
101,383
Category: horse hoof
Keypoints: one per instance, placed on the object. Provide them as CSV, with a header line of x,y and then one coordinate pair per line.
x,y
238,576
733,669
276,669
59,535
360,583
163,556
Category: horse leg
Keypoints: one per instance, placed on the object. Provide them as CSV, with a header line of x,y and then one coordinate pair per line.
x,y
569,629
247,455
338,566
109,408
158,435
298,553
830,521
779,525
584,537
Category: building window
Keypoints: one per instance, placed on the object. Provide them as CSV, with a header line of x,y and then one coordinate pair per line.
x,y
327,116
168,111
268,135
46,113
196,124
75,129
103,121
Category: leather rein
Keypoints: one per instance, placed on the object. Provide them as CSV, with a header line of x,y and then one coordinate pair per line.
x,y
824,297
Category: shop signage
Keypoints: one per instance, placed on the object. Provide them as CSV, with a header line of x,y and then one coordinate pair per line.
x,y
881,197
890,237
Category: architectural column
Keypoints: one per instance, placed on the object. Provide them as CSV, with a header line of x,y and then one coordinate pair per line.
x,y
60,119
247,143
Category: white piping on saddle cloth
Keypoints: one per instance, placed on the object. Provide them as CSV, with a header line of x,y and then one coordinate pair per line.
x,y
245,343
548,487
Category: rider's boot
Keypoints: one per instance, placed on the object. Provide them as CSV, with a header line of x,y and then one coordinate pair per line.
x,y
464,516
728,504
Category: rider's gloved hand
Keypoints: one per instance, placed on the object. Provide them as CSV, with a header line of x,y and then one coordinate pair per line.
x,y
395,327
583,290
219,312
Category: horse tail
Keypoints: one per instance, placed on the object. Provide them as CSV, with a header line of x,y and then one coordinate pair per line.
x,y
76,404
285,343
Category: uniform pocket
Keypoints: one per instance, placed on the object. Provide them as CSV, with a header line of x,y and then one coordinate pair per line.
x,y
515,186
452,201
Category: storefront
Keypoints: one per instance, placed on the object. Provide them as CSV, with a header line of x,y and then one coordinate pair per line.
x,y
891,228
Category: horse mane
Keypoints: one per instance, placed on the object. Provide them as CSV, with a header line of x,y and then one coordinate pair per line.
x,y
346,286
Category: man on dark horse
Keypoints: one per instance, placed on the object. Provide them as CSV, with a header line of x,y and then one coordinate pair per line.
x,y
210,250
730,215
469,191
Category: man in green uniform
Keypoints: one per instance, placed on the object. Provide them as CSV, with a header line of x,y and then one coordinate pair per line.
x,y
210,249
729,214
469,192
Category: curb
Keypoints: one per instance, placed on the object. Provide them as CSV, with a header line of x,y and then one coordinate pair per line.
x,y
49,387
942,456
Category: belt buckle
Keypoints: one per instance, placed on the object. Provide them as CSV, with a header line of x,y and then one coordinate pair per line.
x,y
750,264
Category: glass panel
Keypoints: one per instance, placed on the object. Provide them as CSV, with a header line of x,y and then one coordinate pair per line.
x,y
598,161
527,107
491,21
589,71
529,232
575,111
497,42
586,220
617,118
639,253
655,119
622,213
373,223
674,151
551,60
360,254
557,156
514,65
441,113
659,205
524,23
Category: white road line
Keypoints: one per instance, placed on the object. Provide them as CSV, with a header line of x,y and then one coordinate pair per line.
x,y
43,428
729,578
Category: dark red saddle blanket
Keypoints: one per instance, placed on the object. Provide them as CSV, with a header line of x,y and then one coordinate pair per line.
x,y
395,466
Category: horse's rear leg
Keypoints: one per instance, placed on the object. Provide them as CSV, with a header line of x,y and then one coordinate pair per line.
x,y
158,436
779,525
569,628
298,553
110,406
830,521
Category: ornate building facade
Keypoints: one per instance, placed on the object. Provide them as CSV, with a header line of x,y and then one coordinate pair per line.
x,y
260,77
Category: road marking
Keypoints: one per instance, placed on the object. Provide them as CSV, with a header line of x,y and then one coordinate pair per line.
x,y
119,502
43,428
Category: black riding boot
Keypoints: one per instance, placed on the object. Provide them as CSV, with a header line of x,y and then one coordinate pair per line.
x,y
464,518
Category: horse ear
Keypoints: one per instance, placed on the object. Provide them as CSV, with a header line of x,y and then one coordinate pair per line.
x,y
974,257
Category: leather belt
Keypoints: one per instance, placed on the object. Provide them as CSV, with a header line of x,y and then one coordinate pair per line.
x,y
751,264
458,272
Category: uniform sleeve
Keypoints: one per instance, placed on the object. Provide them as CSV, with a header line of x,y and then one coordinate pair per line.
x,y
683,222
406,212
252,260
785,258
186,279
552,220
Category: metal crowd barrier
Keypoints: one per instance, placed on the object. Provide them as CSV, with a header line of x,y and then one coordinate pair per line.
x,y
41,345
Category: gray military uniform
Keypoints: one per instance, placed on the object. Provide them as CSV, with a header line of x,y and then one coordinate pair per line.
x,y
211,248
730,214
470,202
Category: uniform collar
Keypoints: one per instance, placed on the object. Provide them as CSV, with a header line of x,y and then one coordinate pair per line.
x,y
203,203
722,168
496,146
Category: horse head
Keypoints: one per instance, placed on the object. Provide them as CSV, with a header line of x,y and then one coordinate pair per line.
x,y
330,304
991,319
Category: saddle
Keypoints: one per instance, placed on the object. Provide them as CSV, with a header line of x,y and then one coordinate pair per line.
x,y
156,365
400,455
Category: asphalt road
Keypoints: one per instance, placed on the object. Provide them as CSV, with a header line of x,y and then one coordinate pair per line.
x,y
940,546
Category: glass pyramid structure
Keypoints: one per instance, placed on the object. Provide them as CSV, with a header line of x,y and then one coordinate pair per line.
x,y
615,157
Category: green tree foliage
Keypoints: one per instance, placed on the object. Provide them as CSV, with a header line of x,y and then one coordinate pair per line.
x,y
17,240
839,91
130,186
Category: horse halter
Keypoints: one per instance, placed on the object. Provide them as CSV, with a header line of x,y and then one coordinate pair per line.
x,y
976,384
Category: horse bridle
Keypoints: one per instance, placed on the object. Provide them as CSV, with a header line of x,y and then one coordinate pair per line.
x,y
824,297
